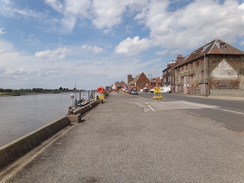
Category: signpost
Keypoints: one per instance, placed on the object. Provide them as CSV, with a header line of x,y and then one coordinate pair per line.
x,y
157,93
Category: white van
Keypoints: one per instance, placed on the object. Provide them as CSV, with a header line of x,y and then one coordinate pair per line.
x,y
166,89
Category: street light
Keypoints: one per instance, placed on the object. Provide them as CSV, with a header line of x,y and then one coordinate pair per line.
x,y
150,80
204,74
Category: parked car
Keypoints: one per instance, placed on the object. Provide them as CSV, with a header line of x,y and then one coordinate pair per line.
x,y
166,89
145,90
134,92
152,90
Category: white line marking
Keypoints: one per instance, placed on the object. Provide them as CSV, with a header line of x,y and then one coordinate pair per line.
x,y
192,105
235,112
149,106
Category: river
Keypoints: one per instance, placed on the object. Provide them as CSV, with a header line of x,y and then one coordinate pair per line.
x,y
20,115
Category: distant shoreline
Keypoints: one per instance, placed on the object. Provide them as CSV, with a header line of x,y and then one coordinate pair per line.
x,y
27,93
20,93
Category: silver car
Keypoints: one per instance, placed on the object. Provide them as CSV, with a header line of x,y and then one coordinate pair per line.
x,y
134,92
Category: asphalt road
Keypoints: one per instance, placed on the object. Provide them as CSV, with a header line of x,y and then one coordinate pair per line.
x,y
135,139
228,111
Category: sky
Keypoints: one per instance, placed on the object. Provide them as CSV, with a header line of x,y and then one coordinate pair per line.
x,y
90,43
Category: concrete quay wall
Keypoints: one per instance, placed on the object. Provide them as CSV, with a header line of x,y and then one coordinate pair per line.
x,y
14,150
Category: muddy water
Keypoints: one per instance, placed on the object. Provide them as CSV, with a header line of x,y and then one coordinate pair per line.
x,y
23,114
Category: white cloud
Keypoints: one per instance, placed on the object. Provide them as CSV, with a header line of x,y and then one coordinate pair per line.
x,y
133,46
103,14
94,49
194,24
55,4
5,47
68,23
63,52
2,31
57,54
107,14
22,70
198,22
110,13
9,9
71,10
79,8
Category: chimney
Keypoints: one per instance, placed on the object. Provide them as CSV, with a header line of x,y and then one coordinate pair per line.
x,y
179,58
129,78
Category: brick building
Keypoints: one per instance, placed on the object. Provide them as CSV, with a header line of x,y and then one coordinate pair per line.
x,y
216,65
168,78
153,82
139,82
158,82
118,85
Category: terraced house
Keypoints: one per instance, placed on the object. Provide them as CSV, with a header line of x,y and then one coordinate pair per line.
x,y
215,68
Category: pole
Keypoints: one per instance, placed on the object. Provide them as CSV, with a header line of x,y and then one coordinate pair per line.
x,y
151,82
79,95
75,90
204,74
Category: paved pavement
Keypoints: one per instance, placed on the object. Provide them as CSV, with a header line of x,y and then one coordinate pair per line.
x,y
134,139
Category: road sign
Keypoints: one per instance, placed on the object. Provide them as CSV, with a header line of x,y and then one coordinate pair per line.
x,y
157,90
157,93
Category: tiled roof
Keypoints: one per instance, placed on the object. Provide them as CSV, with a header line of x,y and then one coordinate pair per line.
x,y
169,66
216,46
135,80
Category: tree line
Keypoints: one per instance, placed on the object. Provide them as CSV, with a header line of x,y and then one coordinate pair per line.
x,y
32,91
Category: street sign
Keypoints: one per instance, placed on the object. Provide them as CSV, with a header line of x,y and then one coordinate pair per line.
x,y
157,93
157,90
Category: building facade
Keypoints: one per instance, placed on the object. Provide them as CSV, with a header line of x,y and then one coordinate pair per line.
x,y
168,78
216,65
139,82
118,85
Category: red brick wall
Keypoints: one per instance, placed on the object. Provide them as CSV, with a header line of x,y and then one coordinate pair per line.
x,y
142,82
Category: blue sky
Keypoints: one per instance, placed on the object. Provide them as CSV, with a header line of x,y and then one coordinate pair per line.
x,y
57,43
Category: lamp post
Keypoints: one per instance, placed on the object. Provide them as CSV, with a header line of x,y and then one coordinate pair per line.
x,y
150,80
204,74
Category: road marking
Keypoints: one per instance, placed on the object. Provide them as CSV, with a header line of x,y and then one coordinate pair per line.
x,y
149,106
234,112
193,105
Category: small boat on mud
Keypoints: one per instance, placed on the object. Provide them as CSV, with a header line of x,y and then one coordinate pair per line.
x,y
82,103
